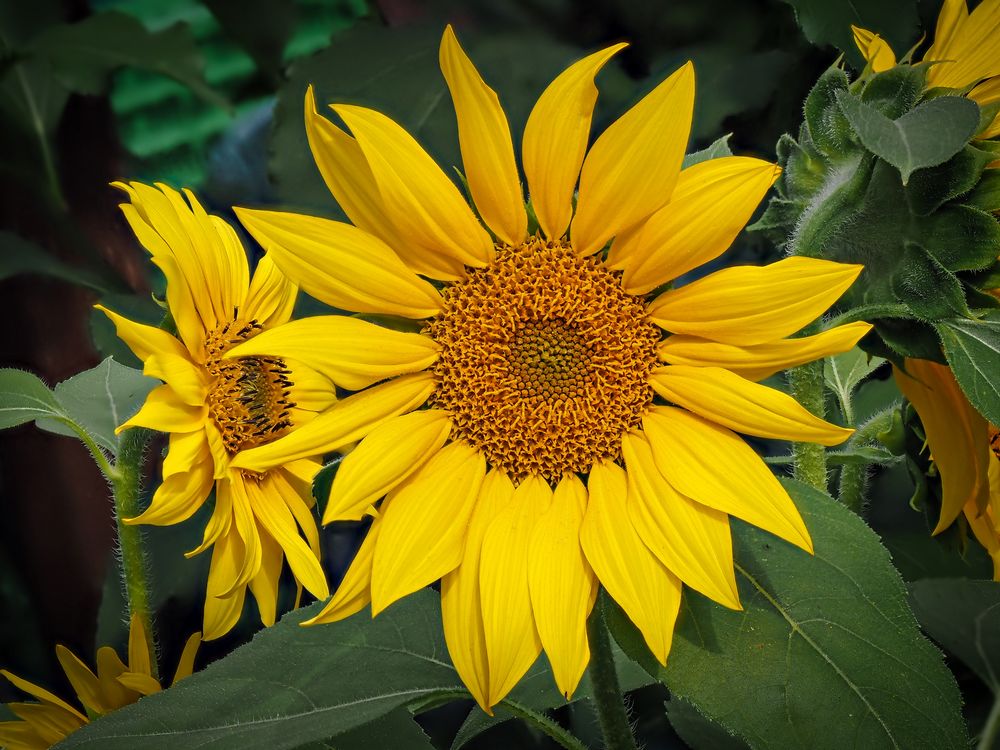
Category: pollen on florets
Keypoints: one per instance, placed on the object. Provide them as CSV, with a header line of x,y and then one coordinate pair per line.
x,y
249,399
545,360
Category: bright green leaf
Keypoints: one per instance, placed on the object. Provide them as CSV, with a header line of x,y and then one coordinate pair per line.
x,y
714,150
24,398
926,136
818,656
973,351
843,373
829,21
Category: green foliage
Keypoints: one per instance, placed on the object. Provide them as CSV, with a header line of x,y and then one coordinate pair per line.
x,y
715,150
797,667
698,731
843,373
261,27
828,22
973,351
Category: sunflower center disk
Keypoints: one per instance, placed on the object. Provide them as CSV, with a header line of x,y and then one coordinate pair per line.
x,y
249,398
545,360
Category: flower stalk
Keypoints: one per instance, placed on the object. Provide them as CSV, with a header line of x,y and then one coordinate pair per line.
x,y
608,697
806,382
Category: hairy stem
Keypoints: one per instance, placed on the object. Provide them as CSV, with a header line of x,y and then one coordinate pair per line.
x,y
854,486
546,725
807,387
126,483
608,696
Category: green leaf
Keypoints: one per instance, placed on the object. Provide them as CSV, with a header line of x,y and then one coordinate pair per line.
x,y
396,730
931,188
292,686
718,148
19,256
698,731
973,351
84,54
929,289
964,617
829,129
24,398
896,91
818,656
829,21
100,399
261,27
986,195
926,136
843,373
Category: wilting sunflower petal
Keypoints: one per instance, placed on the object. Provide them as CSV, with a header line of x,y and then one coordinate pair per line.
x,y
487,150
691,539
874,49
742,405
185,665
759,361
753,304
711,204
555,140
354,592
512,642
353,353
713,466
351,419
562,583
186,379
85,683
340,264
617,186
143,340
271,296
442,232
956,434
40,693
461,603
423,524
387,456
648,592
178,496
223,612
165,411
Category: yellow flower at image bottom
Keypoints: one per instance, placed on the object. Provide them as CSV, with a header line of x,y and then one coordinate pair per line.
x,y
557,423
965,53
213,407
114,686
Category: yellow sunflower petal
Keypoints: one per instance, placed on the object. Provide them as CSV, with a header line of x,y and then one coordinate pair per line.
x,y
185,450
618,187
759,361
140,683
387,456
222,613
273,513
348,176
185,378
648,592
972,52
442,232
956,434
711,204
165,411
484,137
348,421
753,304
178,496
512,642
562,584
423,524
555,140
986,93
951,18
713,466
461,603
271,297
40,693
85,683
692,540
354,592
245,524
185,665
874,49
142,339
352,352
742,405
264,585
109,668
41,727
341,265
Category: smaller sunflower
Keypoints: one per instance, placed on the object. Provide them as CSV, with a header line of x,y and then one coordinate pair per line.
x,y
965,449
114,686
965,53
214,407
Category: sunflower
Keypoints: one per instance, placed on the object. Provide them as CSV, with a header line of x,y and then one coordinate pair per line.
x,y
542,433
965,53
965,449
214,407
115,685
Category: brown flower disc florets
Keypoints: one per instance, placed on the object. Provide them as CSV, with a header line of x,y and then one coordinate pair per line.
x,y
545,360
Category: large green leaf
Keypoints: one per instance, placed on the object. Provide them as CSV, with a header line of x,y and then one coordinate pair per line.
x,y
100,399
829,21
825,654
292,685
83,54
23,398
973,351
964,617
928,135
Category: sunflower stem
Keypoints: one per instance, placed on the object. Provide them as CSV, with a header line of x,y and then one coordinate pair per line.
x,y
807,386
126,484
608,697
544,724
991,730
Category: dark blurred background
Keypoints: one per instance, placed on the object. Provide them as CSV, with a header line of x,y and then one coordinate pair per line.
x,y
208,95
